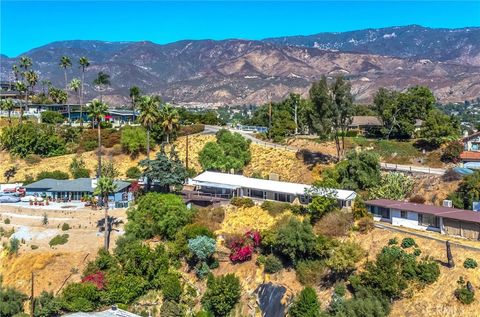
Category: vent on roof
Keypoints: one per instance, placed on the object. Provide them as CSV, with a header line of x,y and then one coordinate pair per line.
x,y
447,203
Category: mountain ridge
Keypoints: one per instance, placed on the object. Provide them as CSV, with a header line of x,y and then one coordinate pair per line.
x,y
239,71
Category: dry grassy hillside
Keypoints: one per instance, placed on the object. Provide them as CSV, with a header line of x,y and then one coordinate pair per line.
x,y
264,161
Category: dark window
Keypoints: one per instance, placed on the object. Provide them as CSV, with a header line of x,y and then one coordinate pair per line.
x,y
257,193
403,214
428,220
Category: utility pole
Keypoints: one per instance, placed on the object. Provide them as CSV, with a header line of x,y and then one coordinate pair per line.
x,y
32,299
186,153
296,118
269,113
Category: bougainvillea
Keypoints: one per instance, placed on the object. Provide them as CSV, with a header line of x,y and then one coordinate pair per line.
x,y
97,279
242,247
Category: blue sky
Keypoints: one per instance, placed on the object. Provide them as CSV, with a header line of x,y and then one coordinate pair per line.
x,y
29,24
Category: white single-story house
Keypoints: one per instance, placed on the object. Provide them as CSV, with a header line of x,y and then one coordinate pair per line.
x,y
232,185
446,220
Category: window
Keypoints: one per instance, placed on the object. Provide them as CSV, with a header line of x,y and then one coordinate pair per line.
x,y
380,211
428,220
403,214
257,194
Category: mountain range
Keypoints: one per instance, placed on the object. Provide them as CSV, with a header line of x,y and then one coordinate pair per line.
x,y
251,72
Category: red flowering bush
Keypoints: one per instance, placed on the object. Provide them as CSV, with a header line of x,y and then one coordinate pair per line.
x,y
242,247
97,279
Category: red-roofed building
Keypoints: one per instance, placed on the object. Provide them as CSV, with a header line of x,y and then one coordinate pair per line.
x,y
471,145
451,221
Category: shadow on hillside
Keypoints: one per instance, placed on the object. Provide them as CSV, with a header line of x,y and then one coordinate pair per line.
x,y
311,158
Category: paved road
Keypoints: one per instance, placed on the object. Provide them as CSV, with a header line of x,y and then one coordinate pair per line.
x,y
383,165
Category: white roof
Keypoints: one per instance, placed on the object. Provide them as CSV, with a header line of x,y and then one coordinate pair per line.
x,y
213,179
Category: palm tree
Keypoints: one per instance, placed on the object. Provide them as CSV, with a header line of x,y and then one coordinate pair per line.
x,y
101,82
25,62
149,115
21,88
31,78
105,187
16,73
45,83
84,63
135,93
7,105
65,63
97,110
169,119
75,86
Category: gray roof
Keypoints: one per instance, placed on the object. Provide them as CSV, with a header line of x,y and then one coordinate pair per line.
x,y
70,185
107,313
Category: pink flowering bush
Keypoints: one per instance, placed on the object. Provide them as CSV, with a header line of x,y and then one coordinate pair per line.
x,y
242,247
97,279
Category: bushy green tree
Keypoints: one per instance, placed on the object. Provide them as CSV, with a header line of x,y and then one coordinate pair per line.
x,y
11,301
306,304
165,172
451,152
56,174
222,293
80,297
124,288
359,170
78,169
344,257
133,172
158,214
439,128
133,140
171,288
320,206
230,151
467,192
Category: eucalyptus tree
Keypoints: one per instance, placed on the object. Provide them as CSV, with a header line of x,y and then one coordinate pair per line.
x,y
135,93
101,82
96,111
7,105
75,87
105,187
149,115
169,120
65,62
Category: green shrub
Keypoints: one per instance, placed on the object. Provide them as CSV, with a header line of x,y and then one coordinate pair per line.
x,y
275,208
408,242
310,272
7,221
222,293
34,246
56,174
133,172
59,240
428,272
242,202
124,288
451,152
470,263
393,241
13,246
417,252
65,226
306,304
273,264
463,293
12,301
202,270
172,309
32,159
52,117
171,288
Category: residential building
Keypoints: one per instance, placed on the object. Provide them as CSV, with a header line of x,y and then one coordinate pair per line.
x,y
471,151
446,220
231,185
112,312
365,124
75,189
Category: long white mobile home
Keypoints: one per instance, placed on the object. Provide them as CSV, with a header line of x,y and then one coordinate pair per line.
x,y
231,185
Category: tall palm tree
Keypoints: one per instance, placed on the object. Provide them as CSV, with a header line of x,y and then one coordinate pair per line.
x,y
31,78
65,62
16,73
105,187
169,119
84,63
149,115
21,88
75,86
97,110
7,105
101,82
135,93
25,62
